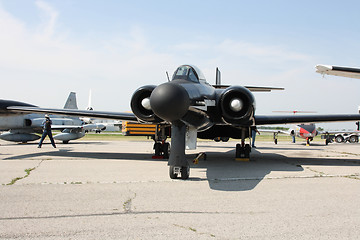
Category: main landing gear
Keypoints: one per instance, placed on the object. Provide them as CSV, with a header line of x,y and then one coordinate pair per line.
x,y
161,150
242,152
161,147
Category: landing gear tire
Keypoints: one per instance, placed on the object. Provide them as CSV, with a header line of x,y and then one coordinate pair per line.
x,y
242,152
166,147
239,151
162,149
157,148
173,174
275,141
247,151
185,172
66,142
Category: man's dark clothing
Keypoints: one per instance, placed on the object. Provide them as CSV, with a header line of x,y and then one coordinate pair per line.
x,y
47,132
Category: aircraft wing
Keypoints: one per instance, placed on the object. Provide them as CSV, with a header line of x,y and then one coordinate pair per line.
x,y
338,71
263,89
284,119
75,112
273,131
251,88
259,119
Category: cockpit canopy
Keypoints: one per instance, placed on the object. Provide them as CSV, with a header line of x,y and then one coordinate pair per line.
x,y
188,72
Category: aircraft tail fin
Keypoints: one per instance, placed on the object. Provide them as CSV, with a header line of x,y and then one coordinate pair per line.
x,y
218,77
218,80
71,101
89,107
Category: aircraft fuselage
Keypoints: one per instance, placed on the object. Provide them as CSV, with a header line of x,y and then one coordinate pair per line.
x,y
190,99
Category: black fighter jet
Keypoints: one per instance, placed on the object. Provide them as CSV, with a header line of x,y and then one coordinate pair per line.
x,y
189,103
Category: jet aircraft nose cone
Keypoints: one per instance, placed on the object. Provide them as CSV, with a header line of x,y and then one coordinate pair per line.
x,y
169,101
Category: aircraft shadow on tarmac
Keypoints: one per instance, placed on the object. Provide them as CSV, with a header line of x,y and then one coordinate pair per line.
x,y
297,148
226,174
223,173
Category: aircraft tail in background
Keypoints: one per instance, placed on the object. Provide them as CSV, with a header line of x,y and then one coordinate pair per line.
x,y
71,101
89,107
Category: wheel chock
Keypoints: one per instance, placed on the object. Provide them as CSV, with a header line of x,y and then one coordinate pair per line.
x,y
242,159
157,157
201,155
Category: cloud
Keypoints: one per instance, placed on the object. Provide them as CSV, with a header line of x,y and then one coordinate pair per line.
x,y
49,19
31,58
242,49
48,63
250,50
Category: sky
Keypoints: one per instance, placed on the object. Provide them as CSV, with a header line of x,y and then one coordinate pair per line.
x,y
50,48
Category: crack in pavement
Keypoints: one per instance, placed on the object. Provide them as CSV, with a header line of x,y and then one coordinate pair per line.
x,y
193,230
322,174
27,171
127,204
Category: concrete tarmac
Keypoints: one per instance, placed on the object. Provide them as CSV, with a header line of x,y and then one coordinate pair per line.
x,y
115,190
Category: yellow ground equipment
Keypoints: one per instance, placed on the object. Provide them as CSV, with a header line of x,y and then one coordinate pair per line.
x,y
138,129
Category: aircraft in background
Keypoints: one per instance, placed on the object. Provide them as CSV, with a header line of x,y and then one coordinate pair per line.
x,y
22,127
305,131
194,108
350,72
98,125
338,71
308,131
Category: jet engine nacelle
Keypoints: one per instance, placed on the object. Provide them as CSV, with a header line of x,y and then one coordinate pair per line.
x,y
19,137
237,105
140,104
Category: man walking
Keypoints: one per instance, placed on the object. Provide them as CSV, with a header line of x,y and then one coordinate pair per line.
x,y
47,131
253,135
